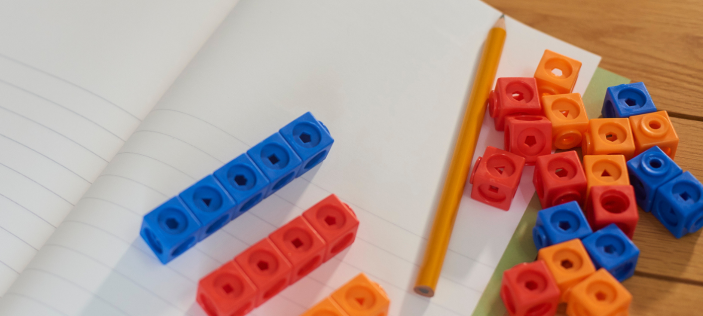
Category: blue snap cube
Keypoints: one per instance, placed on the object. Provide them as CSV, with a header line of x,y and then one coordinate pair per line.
x,y
276,160
558,224
610,249
210,203
678,205
244,182
309,138
625,100
170,229
648,171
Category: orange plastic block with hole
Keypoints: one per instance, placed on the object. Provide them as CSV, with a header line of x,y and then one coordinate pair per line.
x,y
265,265
605,170
328,307
559,179
556,74
227,291
654,129
569,119
569,263
513,96
335,222
611,136
362,297
529,289
495,177
599,294
301,245
613,204
528,136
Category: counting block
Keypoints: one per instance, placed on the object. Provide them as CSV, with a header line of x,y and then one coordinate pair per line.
x,y
569,119
528,136
301,245
648,171
227,291
267,268
613,204
678,204
529,289
612,250
276,160
599,294
495,177
654,129
556,73
568,262
211,205
244,181
605,170
513,96
170,229
362,297
336,223
327,307
309,138
625,100
609,137
558,224
559,179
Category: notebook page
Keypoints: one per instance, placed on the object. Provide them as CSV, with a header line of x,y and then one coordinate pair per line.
x,y
76,79
388,79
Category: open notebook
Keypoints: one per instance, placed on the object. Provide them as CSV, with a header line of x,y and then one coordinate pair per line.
x,y
109,108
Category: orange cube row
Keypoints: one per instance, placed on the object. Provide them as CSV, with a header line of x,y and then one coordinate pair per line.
x,y
358,297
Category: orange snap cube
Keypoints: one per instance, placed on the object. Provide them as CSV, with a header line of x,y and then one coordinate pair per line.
x,y
569,119
362,297
556,74
604,170
609,136
654,129
569,263
264,264
327,307
227,291
301,245
335,222
599,294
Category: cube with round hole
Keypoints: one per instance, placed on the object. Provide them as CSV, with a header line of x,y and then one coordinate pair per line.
x,y
529,289
335,222
568,262
678,204
513,96
267,268
648,171
569,119
309,138
276,160
559,179
613,204
495,177
654,129
558,224
170,230
599,294
227,291
625,100
211,205
612,250
529,136
604,170
556,74
609,137
244,181
327,307
361,297
301,245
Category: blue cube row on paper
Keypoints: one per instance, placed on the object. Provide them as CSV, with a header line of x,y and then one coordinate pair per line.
x,y
203,208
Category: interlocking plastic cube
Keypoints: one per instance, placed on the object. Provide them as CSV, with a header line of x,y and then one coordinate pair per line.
x,y
310,139
625,100
211,205
301,245
569,263
654,129
244,182
361,296
648,171
513,96
556,74
609,137
529,289
227,291
612,250
336,223
678,204
170,230
327,307
605,170
613,204
276,160
559,179
529,136
265,265
558,224
569,119
599,294
495,177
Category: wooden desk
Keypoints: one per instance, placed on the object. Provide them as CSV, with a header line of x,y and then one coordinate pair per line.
x,y
661,44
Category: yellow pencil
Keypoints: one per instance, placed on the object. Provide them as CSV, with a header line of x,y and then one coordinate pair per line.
x,y
461,162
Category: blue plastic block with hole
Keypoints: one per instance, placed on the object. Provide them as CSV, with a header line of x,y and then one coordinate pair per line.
x,y
211,205
625,100
244,182
309,138
648,171
279,163
678,204
558,224
611,249
170,229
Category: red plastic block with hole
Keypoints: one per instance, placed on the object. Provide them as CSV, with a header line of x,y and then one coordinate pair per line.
x,y
556,73
335,222
495,177
529,289
559,178
227,291
613,204
513,96
301,245
328,307
266,266
529,136
362,297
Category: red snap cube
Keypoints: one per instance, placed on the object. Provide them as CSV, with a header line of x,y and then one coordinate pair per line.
x,y
335,222
529,289
613,204
495,177
513,96
528,136
559,178
301,245
227,291
264,264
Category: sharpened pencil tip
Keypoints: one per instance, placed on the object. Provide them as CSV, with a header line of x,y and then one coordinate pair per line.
x,y
501,22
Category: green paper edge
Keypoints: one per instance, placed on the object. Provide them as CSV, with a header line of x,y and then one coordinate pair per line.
x,y
521,248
